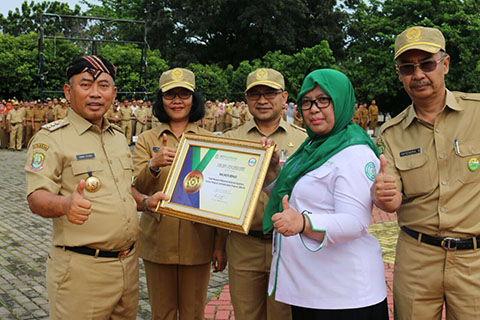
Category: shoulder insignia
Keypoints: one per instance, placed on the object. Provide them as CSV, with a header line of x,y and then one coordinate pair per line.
x,y
114,126
298,127
52,126
467,96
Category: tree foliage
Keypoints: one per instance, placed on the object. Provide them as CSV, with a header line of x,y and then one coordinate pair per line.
x,y
224,40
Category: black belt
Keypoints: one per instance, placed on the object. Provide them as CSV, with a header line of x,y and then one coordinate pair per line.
x,y
447,243
235,117
260,235
99,253
40,121
14,123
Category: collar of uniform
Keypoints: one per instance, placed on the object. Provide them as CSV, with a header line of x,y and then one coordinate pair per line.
x,y
450,102
191,127
82,125
251,124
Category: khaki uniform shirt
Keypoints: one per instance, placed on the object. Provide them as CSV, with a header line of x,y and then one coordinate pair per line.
x,y
117,115
165,239
61,112
287,137
209,113
373,111
236,112
16,116
56,162
28,115
126,112
50,114
141,113
39,114
440,188
363,113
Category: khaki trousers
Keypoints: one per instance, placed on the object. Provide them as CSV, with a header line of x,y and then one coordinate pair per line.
x,y
84,287
16,136
3,138
426,277
127,129
139,128
174,288
249,262
210,125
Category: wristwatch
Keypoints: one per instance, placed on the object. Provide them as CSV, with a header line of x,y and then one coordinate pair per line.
x,y
155,172
144,205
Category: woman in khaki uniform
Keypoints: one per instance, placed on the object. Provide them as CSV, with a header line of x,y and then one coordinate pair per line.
x,y
176,253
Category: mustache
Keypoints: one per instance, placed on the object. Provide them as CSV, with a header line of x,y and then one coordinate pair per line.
x,y
417,84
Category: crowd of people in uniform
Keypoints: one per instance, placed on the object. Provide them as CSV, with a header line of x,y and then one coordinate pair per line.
x,y
308,253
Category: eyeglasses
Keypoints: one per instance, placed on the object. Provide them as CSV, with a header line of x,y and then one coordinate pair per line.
x,y
269,95
408,69
170,95
319,102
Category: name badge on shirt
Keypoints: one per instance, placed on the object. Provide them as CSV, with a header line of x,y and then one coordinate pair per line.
x,y
410,152
85,156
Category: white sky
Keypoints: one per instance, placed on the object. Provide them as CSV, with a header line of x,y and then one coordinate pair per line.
x,y
7,5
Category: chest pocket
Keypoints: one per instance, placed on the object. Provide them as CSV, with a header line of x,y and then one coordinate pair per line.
x,y
466,161
416,175
80,170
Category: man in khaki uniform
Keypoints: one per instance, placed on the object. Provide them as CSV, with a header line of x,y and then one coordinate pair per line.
x,y
373,116
3,127
236,111
209,116
126,123
250,255
62,110
50,111
79,173
363,113
114,115
15,123
430,176
148,109
141,118
39,116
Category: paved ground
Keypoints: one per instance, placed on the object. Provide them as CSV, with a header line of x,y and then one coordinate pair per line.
x,y
24,242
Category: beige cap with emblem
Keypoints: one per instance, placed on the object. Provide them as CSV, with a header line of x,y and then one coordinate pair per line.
x,y
421,38
265,77
175,78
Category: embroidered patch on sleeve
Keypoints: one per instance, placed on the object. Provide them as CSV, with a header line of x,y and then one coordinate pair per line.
x,y
37,161
370,171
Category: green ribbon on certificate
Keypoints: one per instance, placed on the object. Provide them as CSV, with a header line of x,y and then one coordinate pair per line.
x,y
193,180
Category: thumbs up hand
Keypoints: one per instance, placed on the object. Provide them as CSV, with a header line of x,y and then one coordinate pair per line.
x,y
384,190
288,222
79,208
163,157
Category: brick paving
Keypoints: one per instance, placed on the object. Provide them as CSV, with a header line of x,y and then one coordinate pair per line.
x,y
25,239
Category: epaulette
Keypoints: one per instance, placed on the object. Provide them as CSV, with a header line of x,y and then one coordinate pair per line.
x,y
114,126
467,96
394,121
297,127
52,126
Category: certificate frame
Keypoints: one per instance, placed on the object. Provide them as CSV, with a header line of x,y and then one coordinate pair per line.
x,y
232,173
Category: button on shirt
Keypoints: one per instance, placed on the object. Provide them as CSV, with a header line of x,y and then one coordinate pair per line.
x,y
430,163
70,153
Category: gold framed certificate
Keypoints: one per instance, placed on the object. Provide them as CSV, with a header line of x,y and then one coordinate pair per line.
x,y
216,181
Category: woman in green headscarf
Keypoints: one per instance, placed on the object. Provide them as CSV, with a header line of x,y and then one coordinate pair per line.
x,y
326,264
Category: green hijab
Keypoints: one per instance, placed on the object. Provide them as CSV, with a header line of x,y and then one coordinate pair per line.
x,y
317,149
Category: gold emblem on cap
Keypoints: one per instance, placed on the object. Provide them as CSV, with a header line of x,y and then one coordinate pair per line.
x,y
413,34
261,74
177,74
92,184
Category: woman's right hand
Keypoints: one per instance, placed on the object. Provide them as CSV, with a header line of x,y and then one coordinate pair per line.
x,y
163,157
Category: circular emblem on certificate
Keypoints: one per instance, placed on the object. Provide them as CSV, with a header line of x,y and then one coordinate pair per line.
x,y
193,182
92,184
